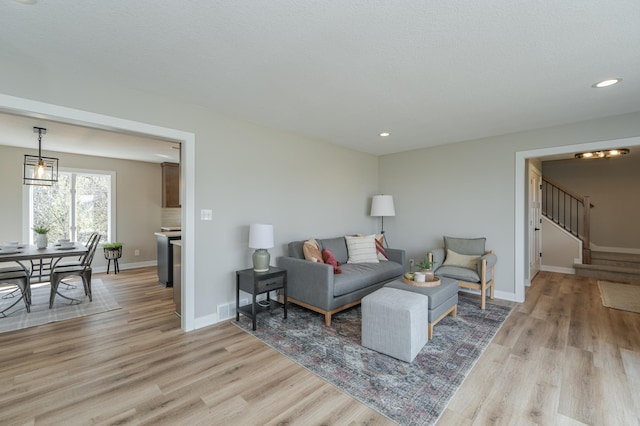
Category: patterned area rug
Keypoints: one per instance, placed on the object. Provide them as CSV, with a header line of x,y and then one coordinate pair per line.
x,y
408,393
18,318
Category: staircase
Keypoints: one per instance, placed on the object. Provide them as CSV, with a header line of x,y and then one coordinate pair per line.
x,y
622,267
572,213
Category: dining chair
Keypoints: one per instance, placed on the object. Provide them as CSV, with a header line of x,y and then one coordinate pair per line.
x,y
21,279
83,270
93,239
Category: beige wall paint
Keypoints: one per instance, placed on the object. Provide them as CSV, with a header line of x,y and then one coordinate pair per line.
x,y
614,187
467,188
244,173
138,199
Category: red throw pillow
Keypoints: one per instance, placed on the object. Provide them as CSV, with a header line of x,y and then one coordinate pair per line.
x,y
330,259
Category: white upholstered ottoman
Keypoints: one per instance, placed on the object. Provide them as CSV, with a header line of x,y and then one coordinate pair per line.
x,y
394,322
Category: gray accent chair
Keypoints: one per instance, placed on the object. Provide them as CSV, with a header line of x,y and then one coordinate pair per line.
x,y
476,276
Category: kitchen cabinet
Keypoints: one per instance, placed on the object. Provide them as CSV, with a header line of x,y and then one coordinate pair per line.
x,y
170,185
165,256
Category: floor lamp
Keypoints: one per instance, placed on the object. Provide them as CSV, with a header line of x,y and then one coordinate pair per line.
x,y
381,206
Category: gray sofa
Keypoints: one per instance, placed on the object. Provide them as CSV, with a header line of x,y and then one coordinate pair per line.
x,y
315,286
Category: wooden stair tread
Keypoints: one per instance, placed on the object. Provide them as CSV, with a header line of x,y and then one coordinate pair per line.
x,y
620,257
609,268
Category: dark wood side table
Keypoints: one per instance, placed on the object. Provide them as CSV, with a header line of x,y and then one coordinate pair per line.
x,y
257,283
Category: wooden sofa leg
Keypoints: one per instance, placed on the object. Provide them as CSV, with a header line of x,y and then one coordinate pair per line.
x,y
454,312
483,295
327,319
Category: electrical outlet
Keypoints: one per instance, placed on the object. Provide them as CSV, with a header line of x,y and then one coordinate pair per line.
x,y
136,252
411,262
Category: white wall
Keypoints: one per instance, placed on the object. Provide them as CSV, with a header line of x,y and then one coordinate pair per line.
x,y
467,189
245,173
248,173
138,199
560,249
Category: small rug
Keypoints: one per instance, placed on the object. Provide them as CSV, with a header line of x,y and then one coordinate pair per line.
x,y
625,297
18,318
408,393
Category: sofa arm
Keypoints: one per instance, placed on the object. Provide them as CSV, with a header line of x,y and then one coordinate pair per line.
x,y
398,256
308,282
436,256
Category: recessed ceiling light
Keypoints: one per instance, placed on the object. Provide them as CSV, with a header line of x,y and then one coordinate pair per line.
x,y
606,83
162,155
385,134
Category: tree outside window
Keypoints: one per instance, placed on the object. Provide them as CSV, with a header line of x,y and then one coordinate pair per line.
x,y
76,206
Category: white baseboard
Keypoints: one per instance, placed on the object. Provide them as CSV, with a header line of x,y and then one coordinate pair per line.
x,y
207,321
558,269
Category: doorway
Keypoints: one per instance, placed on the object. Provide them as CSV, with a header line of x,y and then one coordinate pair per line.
x,y
29,108
535,221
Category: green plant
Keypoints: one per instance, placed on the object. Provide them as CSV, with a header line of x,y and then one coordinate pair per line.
x,y
40,229
112,246
424,264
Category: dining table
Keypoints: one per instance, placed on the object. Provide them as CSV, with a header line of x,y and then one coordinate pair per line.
x,y
38,262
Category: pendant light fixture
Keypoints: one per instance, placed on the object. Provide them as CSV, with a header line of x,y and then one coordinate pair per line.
x,y
40,170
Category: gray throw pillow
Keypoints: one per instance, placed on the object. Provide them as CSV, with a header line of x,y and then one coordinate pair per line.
x,y
467,246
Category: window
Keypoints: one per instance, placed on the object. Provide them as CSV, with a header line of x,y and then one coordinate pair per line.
x,y
77,205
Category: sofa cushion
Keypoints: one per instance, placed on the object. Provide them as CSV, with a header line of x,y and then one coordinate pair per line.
x,y
461,260
311,250
295,249
458,273
356,276
337,246
330,259
362,249
468,246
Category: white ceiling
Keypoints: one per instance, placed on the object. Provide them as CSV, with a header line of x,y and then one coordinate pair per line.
x,y
430,72
18,131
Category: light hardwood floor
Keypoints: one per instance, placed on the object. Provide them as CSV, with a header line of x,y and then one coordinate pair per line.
x,y
560,358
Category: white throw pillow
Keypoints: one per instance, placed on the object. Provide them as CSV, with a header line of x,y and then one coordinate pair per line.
x,y
362,249
461,260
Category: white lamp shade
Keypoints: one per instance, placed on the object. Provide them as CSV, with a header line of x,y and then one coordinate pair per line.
x,y
260,236
382,205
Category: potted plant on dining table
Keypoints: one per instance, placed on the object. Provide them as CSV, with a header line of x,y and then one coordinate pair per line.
x,y
41,236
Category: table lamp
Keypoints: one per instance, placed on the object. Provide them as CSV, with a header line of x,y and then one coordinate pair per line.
x,y
261,239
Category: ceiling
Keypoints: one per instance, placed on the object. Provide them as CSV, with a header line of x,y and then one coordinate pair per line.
x,y
429,72
18,131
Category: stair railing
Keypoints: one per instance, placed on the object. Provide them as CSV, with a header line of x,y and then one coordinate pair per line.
x,y
567,209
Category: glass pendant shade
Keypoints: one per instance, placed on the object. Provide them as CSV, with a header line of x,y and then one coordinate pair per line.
x,y
39,170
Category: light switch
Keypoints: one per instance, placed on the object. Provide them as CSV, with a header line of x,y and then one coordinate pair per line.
x,y
206,214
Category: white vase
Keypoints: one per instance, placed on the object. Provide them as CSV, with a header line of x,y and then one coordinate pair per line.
x,y
41,241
